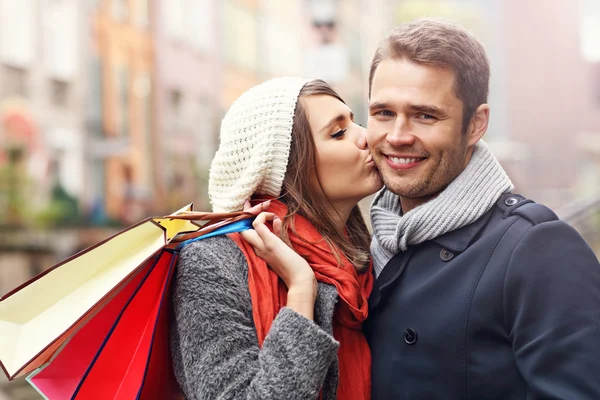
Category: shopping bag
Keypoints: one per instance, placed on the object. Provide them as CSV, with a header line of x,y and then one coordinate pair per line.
x,y
61,376
132,359
38,317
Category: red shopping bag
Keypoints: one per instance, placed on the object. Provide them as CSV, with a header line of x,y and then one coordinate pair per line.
x,y
119,368
61,377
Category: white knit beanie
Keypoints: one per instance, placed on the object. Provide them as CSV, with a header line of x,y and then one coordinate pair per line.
x,y
255,139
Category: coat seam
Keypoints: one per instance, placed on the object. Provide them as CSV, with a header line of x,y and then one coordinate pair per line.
x,y
508,263
470,302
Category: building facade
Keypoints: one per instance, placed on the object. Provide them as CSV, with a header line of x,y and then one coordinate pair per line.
x,y
187,83
41,92
121,145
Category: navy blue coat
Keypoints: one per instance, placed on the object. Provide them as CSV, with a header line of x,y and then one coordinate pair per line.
x,y
505,308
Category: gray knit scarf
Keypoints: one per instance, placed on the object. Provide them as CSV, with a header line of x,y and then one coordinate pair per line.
x,y
465,200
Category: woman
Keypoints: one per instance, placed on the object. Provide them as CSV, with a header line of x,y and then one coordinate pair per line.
x,y
289,330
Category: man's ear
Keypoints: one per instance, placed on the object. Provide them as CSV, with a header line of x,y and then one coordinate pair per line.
x,y
478,125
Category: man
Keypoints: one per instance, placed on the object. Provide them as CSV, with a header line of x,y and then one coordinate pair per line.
x,y
480,293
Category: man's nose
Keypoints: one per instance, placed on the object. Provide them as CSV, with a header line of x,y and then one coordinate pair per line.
x,y
400,134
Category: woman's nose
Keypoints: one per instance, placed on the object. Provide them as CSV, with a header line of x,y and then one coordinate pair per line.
x,y
361,142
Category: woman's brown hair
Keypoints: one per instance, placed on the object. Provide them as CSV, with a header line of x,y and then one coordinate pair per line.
x,y
302,198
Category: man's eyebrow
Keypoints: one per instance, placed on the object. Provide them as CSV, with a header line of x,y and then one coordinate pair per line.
x,y
378,106
425,109
422,108
338,119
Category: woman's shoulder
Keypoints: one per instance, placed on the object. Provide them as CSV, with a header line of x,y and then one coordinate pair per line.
x,y
218,255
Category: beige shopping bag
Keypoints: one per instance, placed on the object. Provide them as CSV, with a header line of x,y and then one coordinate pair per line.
x,y
39,316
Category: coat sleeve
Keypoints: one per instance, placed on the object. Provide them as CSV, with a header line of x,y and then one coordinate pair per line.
x,y
552,308
213,338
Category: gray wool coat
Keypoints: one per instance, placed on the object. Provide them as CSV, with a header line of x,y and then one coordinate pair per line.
x,y
213,337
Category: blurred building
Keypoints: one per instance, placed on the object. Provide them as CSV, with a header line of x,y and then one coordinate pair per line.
x,y
589,139
120,110
187,99
548,95
335,50
41,93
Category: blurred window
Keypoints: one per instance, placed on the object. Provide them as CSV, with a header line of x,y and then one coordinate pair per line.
x,y
279,28
142,13
148,133
199,24
355,48
59,91
93,4
596,77
18,32
590,29
191,22
174,12
122,77
206,135
60,40
120,10
94,99
98,187
14,81
589,13
241,35
175,112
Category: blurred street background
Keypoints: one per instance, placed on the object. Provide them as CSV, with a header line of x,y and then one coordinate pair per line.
x,y
110,109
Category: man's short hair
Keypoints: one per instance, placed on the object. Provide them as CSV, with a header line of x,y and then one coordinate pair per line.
x,y
432,41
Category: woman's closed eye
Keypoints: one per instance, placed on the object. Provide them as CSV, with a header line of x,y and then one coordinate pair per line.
x,y
339,134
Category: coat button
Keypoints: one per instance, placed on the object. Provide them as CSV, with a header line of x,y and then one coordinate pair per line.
x,y
511,201
446,255
410,336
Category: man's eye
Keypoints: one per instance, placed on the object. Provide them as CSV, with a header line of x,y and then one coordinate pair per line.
x,y
426,117
338,134
385,113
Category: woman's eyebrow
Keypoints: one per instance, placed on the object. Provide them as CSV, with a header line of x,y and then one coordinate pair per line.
x,y
337,119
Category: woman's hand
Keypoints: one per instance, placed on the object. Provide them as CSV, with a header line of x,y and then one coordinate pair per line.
x,y
293,270
257,209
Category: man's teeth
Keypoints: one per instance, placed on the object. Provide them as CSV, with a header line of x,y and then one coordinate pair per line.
x,y
397,160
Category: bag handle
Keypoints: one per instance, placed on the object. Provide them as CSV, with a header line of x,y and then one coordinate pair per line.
x,y
216,220
206,216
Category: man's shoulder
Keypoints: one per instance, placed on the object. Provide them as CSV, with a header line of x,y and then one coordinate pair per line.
x,y
510,219
512,204
532,224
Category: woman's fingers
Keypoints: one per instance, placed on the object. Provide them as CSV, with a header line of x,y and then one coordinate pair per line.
x,y
257,209
261,237
252,237
268,238
277,224
262,218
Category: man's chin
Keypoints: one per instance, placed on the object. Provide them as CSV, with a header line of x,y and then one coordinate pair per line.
x,y
406,191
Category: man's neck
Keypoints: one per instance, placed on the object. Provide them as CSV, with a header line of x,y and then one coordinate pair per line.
x,y
408,204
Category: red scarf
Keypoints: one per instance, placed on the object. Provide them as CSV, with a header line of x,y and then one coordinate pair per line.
x,y
269,294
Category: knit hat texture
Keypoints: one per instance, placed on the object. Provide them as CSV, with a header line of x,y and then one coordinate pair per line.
x,y
255,139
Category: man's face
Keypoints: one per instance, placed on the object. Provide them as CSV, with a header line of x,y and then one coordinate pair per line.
x,y
415,129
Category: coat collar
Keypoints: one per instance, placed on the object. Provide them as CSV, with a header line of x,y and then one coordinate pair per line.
x,y
458,240
455,241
